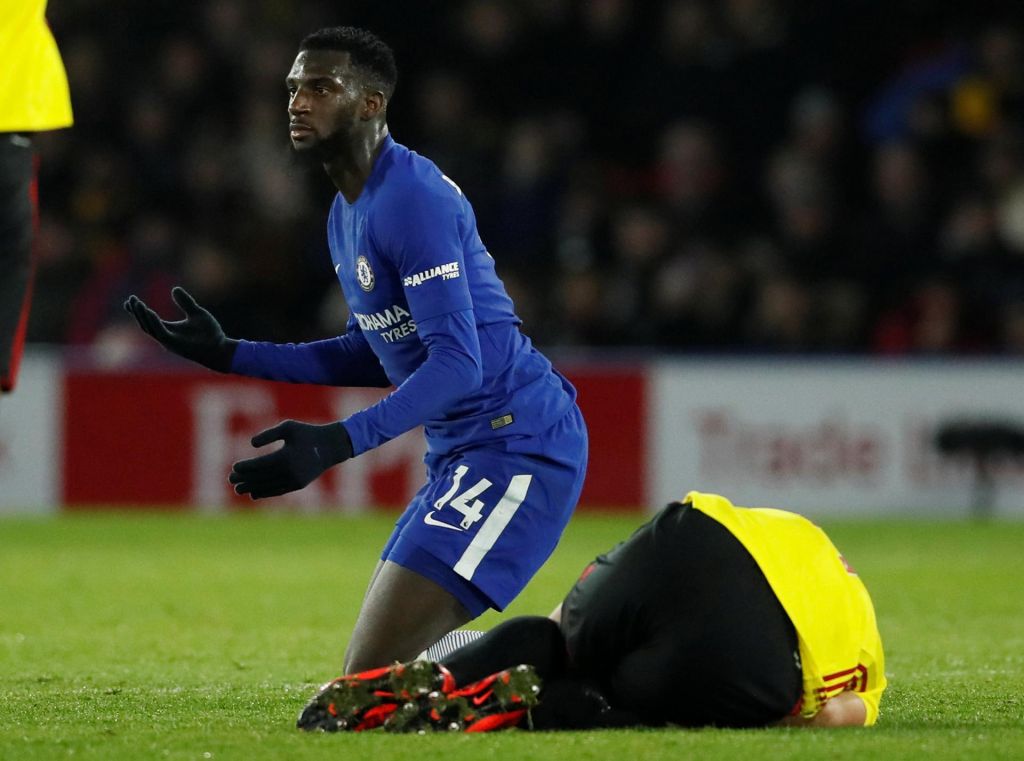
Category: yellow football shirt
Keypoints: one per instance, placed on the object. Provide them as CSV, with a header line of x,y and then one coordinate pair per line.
x,y
840,648
33,84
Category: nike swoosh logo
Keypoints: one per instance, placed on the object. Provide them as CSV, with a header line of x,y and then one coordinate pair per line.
x,y
430,520
337,268
481,699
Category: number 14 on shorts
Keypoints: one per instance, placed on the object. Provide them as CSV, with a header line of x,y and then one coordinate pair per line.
x,y
465,503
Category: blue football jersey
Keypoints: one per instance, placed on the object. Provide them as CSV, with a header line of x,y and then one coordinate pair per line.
x,y
408,255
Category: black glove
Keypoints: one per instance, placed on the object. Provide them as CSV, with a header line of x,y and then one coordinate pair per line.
x,y
308,451
198,337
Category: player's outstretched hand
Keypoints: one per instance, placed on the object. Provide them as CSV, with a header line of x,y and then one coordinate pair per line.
x,y
308,451
198,337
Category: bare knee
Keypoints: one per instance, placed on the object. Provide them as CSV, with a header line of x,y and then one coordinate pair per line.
x,y
402,615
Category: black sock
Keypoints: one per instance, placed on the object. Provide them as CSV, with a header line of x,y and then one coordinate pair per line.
x,y
570,702
535,640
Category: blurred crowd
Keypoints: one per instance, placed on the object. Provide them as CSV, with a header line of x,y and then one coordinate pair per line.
x,y
690,175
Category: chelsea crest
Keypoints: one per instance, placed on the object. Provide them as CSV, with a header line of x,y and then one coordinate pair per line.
x,y
364,274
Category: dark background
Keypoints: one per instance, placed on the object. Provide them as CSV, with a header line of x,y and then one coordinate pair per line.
x,y
755,176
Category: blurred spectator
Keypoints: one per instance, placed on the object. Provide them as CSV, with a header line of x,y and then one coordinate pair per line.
x,y
780,317
639,239
452,133
586,318
696,298
929,323
1012,333
526,202
898,247
143,265
690,178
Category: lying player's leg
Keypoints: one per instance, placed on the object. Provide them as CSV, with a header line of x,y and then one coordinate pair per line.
x,y
564,701
525,639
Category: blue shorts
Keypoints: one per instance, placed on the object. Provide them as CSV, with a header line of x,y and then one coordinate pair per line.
x,y
488,517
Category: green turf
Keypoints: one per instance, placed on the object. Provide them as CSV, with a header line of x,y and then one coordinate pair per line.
x,y
190,638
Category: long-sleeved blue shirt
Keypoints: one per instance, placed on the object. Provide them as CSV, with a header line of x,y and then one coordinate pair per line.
x,y
429,315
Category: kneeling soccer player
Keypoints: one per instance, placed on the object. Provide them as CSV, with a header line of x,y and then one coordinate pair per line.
x,y
709,615
506,441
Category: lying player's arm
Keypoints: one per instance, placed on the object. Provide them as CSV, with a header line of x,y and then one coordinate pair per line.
x,y
844,710
452,369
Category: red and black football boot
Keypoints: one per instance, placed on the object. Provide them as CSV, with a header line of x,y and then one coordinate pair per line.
x,y
495,702
357,702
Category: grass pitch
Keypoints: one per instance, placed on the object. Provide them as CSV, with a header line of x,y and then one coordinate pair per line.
x,y
187,637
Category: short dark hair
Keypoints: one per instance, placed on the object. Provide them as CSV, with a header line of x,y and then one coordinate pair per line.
x,y
366,51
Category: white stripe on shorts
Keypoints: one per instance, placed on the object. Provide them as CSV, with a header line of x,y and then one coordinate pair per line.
x,y
493,526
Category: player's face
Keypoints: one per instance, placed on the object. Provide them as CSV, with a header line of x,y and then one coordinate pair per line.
x,y
325,97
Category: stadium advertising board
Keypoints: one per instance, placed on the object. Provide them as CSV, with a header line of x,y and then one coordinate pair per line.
x,y
832,436
30,422
822,437
167,438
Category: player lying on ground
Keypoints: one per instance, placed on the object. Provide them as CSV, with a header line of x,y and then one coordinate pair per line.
x,y
506,443
709,615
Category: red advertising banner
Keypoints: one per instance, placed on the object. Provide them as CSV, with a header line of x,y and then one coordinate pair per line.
x,y
168,438
614,404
